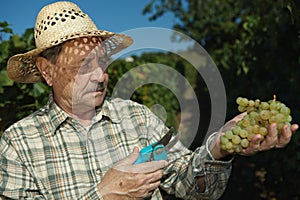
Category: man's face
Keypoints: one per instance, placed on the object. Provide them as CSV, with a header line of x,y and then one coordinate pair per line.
x,y
81,80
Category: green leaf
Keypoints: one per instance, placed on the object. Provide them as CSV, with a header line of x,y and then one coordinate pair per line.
x,y
4,80
38,90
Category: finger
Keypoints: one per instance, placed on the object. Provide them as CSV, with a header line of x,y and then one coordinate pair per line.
x,y
131,158
143,192
253,145
285,136
153,186
150,188
230,124
239,117
271,139
155,176
294,127
152,166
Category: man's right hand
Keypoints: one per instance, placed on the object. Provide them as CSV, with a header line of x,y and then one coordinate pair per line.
x,y
126,180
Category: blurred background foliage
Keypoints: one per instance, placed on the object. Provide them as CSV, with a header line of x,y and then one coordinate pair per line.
x,y
256,47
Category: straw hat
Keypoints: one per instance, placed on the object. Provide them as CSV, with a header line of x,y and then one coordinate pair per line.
x,y
55,24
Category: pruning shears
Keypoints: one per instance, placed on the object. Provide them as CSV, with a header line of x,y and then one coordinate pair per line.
x,y
157,150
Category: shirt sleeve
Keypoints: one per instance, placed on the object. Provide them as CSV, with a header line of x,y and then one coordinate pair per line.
x,y
183,172
15,180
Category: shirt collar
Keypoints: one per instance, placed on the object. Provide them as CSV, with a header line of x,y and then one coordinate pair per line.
x,y
59,116
55,113
109,110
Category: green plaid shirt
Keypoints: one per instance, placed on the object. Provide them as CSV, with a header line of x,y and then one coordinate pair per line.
x,y
49,155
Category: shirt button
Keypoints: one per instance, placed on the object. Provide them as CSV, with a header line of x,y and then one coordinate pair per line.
x,y
98,172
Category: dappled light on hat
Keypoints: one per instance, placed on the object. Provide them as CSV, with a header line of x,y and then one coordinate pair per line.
x,y
79,48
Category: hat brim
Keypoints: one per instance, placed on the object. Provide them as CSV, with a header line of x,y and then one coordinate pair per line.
x,y
22,67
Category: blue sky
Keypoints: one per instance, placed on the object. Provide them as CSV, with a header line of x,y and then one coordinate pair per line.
x,y
112,15
120,16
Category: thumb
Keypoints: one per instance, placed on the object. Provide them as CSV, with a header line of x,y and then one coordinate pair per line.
x,y
239,117
131,158
230,124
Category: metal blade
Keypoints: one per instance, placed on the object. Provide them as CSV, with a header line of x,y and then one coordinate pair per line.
x,y
172,142
165,140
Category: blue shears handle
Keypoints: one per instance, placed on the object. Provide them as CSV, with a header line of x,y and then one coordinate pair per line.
x,y
150,153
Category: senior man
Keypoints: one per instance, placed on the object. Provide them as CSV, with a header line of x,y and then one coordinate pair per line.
x,y
82,144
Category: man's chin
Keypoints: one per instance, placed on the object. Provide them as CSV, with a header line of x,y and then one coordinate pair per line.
x,y
90,100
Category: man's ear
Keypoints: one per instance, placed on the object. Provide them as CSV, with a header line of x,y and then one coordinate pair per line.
x,y
46,69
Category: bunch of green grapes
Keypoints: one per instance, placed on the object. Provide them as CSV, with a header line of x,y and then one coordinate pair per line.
x,y
259,116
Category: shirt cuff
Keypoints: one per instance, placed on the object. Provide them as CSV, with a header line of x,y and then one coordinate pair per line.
x,y
228,159
205,162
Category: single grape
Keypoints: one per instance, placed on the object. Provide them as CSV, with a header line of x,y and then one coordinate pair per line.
x,y
251,103
238,100
236,130
228,134
285,110
273,112
250,109
263,131
249,129
264,106
244,102
224,139
252,122
244,143
272,119
257,103
289,118
250,136
264,123
246,122
230,150
255,129
265,114
238,148
253,115
236,139
274,105
239,123
243,133
229,145
280,118
241,108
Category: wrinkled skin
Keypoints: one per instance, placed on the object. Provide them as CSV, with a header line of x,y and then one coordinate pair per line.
x,y
80,68
126,180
